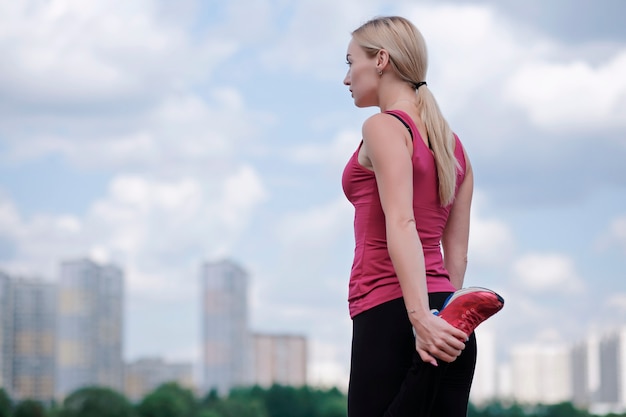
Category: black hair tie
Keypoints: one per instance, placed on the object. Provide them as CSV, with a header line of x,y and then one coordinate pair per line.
x,y
418,85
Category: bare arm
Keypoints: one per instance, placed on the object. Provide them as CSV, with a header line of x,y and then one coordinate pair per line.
x,y
456,233
390,158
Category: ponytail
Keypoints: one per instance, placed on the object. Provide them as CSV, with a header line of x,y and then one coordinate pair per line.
x,y
409,58
442,142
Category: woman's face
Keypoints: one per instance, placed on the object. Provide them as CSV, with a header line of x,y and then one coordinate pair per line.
x,y
362,76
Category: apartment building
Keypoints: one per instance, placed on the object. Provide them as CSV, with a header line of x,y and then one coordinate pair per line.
x,y
34,339
144,375
6,332
90,326
225,336
279,359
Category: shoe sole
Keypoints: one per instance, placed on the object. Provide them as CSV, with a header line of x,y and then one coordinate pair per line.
x,y
468,290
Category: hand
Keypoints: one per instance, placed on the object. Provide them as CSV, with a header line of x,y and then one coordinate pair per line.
x,y
436,339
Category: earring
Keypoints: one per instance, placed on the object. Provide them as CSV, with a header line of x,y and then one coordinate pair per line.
x,y
380,72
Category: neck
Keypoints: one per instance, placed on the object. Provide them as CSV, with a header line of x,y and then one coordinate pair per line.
x,y
393,104
395,94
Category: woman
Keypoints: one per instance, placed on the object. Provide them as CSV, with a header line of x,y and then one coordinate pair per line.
x,y
411,184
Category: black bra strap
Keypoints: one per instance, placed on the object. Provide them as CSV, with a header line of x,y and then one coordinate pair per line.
x,y
404,123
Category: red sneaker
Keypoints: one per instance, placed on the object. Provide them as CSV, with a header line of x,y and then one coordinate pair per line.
x,y
466,308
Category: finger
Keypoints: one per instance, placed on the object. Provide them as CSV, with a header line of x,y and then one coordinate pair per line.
x,y
450,348
460,335
446,357
427,357
457,344
443,352
457,333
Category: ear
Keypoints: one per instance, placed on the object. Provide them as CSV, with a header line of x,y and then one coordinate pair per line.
x,y
382,59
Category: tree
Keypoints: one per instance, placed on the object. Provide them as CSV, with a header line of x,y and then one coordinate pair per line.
x,y
497,409
565,410
168,400
333,407
329,403
211,398
96,402
287,401
284,401
29,408
208,413
238,408
54,409
5,403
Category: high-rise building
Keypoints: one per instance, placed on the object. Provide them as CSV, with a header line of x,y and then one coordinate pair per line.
x,y
144,375
225,337
585,358
90,326
6,332
541,374
484,384
504,388
612,387
279,359
34,335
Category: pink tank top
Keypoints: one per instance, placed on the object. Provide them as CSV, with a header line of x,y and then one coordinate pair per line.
x,y
373,280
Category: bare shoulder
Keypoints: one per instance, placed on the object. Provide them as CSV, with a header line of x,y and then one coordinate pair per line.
x,y
381,125
376,122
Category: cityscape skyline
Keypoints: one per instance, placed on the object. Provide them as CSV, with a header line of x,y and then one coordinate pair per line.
x,y
58,337
586,328
588,372
502,355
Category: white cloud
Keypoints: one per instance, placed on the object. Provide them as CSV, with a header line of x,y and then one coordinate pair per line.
x,y
164,229
571,95
337,153
617,301
309,47
474,57
616,234
542,272
72,51
9,216
521,309
241,194
155,230
318,226
114,85
249,21
491,240
492,63
182,134
313,245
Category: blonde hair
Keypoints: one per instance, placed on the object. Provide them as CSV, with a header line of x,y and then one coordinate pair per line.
x,y
409,59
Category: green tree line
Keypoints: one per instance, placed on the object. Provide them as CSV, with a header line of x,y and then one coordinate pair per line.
x,y
172,400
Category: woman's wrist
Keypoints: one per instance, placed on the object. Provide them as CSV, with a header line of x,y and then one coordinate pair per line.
x,y
417,313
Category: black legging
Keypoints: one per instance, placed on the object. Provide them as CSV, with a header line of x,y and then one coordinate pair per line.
x,y
389,379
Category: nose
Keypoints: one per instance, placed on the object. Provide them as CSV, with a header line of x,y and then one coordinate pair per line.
x,y
346,80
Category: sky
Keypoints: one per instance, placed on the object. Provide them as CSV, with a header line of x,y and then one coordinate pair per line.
x,y
158,136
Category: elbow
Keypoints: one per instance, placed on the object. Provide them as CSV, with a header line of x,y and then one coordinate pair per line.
x,y
401,223
400,232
